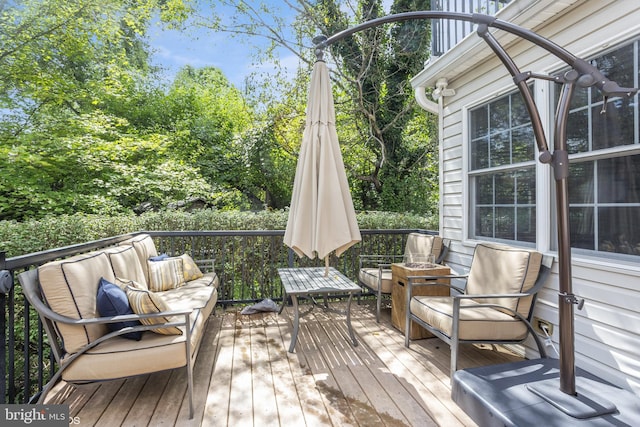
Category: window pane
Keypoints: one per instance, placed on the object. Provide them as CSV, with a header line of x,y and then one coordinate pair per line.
x,y
615,127
484,190
505,190
582,230
619,180
499,115
484,222
519,113
617,66
526,186
505,223
479,122
579,99
523,144
527,224
581,182
578,132
500,149
619,230
480,153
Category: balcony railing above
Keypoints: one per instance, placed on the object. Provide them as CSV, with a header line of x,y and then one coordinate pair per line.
x,y
446,33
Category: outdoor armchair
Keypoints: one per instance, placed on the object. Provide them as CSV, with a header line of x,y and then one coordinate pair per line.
x,y
375,270
496,305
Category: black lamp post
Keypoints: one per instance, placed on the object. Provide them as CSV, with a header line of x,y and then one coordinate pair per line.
x,y
582,74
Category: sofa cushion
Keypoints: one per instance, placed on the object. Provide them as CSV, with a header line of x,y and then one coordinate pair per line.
x,y
125,264
112,301
165,274
145,248
70,288
146,302
207,279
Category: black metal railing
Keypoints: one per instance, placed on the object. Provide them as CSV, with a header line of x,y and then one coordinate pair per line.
x,y
245,261
446,33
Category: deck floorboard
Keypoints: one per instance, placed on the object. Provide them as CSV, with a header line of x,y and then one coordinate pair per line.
x,y
244,376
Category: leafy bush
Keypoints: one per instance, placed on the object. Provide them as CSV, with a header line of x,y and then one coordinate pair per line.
x,y
18,238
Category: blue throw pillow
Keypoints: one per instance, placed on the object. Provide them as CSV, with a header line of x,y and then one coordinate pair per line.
x,y
160,257
113,301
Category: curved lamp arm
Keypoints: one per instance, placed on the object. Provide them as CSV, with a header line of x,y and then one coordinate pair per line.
x,y
589,75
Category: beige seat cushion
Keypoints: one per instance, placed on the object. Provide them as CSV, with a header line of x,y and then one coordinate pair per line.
x,y
500,269
369,278
70,288
475,323
419,245
125,264
145,248
119,357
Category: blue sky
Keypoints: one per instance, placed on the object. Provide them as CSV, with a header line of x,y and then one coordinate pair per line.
x,y
175,49
199,48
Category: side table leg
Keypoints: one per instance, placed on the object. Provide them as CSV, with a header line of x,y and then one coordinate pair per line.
x,y
351,334
284,301
296,322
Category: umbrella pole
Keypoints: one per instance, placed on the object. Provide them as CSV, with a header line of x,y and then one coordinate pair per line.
x,y
326,266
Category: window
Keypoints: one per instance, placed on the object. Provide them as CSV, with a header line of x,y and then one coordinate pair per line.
x,y
502,171
604,181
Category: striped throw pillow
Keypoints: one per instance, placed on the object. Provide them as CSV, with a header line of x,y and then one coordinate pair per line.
x,y
145,302
166,274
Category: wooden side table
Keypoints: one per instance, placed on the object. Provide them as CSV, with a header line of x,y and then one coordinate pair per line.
x,y
399,274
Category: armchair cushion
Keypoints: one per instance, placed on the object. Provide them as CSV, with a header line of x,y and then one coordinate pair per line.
x,y
420,245
476,323
501,269
369,277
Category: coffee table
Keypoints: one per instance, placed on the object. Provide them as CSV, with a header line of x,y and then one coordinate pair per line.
x,y
309,281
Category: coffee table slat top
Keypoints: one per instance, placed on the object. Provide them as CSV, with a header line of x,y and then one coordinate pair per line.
x,y
305,280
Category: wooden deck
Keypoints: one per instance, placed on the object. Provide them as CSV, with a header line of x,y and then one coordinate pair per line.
x,y
244,376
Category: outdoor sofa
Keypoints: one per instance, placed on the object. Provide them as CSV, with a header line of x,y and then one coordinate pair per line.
x,y
95,334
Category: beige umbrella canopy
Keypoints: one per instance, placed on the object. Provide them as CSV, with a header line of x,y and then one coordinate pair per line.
x,y
321,216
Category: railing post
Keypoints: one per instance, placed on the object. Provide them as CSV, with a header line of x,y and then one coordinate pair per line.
x,y
3,337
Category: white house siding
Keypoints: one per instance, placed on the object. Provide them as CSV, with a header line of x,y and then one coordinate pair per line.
x,y
607,330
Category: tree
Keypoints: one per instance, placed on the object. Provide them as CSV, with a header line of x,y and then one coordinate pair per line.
x,y
70,55
371,72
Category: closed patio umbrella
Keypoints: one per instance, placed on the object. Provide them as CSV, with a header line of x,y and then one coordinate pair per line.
x,y
321,216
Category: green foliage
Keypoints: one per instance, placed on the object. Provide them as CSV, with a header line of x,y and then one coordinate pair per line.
x,y
19,238
86,128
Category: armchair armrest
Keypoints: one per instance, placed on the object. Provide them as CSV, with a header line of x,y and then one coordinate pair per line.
x,y
487,296
379,259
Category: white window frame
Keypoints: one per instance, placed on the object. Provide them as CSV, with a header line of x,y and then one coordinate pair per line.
x,y
607,153
543,181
